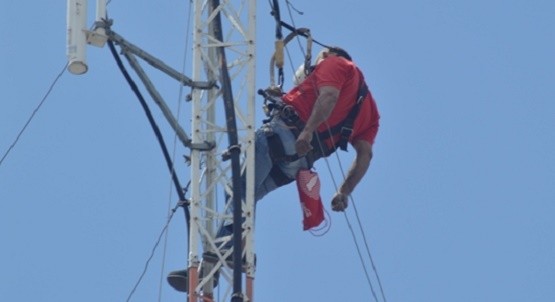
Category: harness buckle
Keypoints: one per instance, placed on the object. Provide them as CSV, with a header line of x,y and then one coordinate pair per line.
x,y
344,139
346,131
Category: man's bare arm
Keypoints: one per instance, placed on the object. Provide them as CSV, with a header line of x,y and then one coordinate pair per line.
x,y
354,175
327,98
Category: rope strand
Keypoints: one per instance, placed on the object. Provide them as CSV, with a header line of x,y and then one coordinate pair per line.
x,y
360,256
320,145
363,235
350,226
368,250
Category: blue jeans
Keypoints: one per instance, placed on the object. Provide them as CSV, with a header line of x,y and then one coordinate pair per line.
x,y
263,182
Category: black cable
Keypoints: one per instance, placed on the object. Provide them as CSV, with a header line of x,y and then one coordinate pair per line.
x,y
235,151
155,128
293,29
158,133
277,15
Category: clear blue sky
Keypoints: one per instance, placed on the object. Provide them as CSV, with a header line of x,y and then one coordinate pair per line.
x,y
458,204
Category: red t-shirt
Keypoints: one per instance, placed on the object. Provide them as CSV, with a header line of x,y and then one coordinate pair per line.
x,y
343,75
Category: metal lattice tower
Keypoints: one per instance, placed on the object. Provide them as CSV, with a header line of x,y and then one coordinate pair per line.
x,y
224,34
222,133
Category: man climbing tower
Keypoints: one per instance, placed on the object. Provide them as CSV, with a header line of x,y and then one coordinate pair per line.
x,y
329,107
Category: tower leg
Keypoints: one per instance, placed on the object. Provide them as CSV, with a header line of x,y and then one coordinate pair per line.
x,y
250,289
193,282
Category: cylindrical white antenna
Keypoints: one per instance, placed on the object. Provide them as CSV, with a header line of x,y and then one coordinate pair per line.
x,y
76,36
98,36
100,10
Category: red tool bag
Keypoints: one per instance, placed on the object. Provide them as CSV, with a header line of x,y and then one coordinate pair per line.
x,y
308,185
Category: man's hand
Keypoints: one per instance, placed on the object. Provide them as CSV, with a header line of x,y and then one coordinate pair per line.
x,y
327,98
340,202
302,145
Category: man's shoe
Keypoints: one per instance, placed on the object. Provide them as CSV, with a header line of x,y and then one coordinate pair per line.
x,y
179,279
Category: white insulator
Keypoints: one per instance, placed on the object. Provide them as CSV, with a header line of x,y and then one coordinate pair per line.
x,y
76,36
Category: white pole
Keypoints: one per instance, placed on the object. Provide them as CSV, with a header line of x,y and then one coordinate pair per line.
x,y
76,36
98,36
100,10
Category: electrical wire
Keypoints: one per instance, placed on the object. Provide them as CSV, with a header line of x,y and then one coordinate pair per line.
x,y
152,252
33,113
179,98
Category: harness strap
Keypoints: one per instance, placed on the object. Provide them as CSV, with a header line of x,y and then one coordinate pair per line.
x,y
319,148
277,151
345,128
279,177
277,154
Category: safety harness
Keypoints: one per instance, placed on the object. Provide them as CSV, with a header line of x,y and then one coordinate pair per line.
x,y
274,107
345,128
288,115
